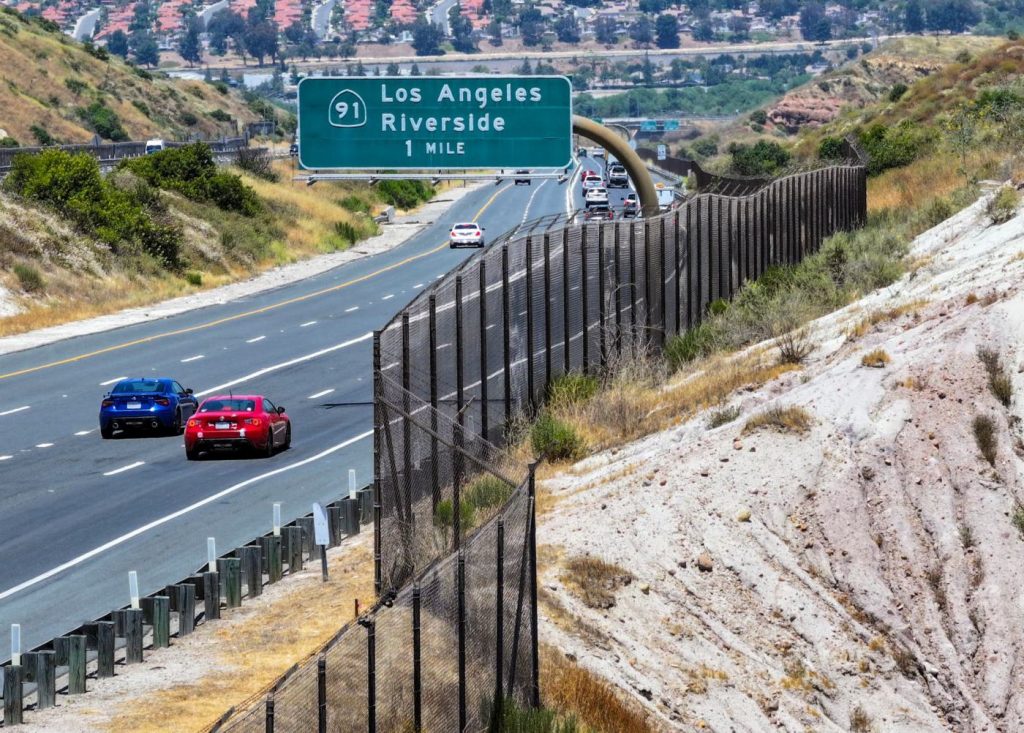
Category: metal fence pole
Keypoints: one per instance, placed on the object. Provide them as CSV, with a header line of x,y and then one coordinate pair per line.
x,y
585,292
407,409
268,721
618,290
371,676
378,391
547,312
417,673
698,263
435,457
484,416
506,335
321,692
460,395
461,611
534,627
632,285
566,327
531,397
648,281
499,627
602,306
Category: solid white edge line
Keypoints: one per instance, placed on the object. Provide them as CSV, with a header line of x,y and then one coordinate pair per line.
x,y
122,469
16,409
111,381
170,517
320,394
282,365
252,341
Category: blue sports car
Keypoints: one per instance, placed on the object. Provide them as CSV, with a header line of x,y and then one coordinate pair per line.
x,y
147,404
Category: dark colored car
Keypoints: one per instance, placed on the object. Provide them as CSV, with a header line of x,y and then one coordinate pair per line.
x,y
599,213
293,150
146,403
522,176
237,422
630,206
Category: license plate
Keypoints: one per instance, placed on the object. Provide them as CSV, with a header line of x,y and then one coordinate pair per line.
x,y
222,425
134,405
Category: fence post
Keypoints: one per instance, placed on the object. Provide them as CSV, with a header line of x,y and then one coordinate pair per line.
x,y
293,536
506,335
662,279
697,262
457,476
105,649
406,424
272,554
13,702
371,676
252,564
534,627
632,286
321,693
76,664
132,636
435,478
602,306
499,627
461,611
46,679
417,678
547,312
269,720
460,395
378,391
566,299
529,325
648,281
618,291
156,611
484,416
211,595
230,570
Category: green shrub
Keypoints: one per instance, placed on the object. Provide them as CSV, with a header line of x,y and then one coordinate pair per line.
x,y
1003,206
1018,519
555,439
9,142
764,157
517,719
893,146
97,51
695,343
347,232
41,135
405,194
194,278
355,204
188,118
30,279
759,116
221,116
103,121
142,73
985,436
726,415
573,388
191,171
487,492
141,106
221,87
897,91
705,147
444,517
76,86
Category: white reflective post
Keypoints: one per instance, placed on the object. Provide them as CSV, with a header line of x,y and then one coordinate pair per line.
x,y
351,483
16,645
277,519
211,554
133,587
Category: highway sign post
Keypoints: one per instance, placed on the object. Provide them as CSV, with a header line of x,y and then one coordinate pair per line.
x,y
431,123
321,536
662,152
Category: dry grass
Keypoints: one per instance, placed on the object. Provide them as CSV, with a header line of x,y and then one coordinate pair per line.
x,y
792,419
876,358
594,580
872,319
256,649
860,721
794,347
984,428
999,381
573,690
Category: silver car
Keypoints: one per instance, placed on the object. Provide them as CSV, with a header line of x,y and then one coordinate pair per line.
x,y
466,234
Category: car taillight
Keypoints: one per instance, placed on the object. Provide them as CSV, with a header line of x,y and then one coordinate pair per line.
x,y
193,423
476,234
252,421
107,403
162,401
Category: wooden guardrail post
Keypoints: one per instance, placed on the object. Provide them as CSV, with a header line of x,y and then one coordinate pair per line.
x,y
350,509
183,601
156,611
76,664
251,557
13,695
105,649
132,635
46,679
211,595
272,557
334,523
293,536
308,546
230,569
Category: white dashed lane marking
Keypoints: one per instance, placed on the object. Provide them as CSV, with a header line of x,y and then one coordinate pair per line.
x,y
6,458
353,308
122,469
389,296
197,357
84,432
111,381
16,409
320,394
307,323
258,338
44,445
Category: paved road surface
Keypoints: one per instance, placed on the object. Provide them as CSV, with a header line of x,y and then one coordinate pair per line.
x,y
80,512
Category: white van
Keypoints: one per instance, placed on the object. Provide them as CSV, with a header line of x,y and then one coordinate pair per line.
x,y
154,146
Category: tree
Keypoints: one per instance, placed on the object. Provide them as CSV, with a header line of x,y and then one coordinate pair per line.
x,y
295,32
531,26
145,49
960,129
651,6
427,38
260,39
494,31
641,31
414,70
739,27
704,32
462,30
914,19
606,30
954,16
190,47
567,29
223,25
118,43
677,69
667,29
393,69
762,158
814,24
648,71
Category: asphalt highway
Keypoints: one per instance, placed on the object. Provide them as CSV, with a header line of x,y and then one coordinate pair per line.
x,y
78,512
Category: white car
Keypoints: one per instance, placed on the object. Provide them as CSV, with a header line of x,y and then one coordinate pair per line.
x,y
597,152
596,197
466,234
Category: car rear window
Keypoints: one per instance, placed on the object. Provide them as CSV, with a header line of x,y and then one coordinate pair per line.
x,y
138,385
226,405
465,226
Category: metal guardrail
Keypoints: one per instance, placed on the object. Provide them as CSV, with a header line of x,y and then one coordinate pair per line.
x,y
113,152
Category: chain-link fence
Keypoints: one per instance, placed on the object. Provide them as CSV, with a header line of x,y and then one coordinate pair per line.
x,y
454,633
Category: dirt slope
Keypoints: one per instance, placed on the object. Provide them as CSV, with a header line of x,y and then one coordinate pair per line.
x,y
47,78
865,575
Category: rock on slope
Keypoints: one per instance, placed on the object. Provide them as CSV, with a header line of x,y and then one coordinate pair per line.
x,y
877,584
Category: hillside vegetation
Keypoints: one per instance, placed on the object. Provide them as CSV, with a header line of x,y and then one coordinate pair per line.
x,y
55,89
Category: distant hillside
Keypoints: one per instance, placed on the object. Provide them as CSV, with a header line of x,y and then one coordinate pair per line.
x,y
53,88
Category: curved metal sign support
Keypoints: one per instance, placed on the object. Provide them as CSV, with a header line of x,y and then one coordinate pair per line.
x,y
634,166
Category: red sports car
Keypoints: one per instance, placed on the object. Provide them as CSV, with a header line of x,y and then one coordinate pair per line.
x,y
237,421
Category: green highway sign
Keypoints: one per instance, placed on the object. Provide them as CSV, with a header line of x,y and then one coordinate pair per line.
x,y
435,122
